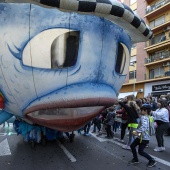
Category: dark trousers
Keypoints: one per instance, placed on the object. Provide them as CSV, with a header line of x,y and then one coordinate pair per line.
x,y
123,130
160,132
108,131
141,148
116,125
87,127
98,127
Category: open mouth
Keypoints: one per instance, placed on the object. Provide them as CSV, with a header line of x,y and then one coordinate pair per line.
x,y
64,119
70,109
65,116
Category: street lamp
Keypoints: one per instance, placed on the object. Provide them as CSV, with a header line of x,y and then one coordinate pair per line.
x,y
133,64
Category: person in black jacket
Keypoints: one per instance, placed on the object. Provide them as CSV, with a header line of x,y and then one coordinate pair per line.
x,y
109,122
96,122
131,109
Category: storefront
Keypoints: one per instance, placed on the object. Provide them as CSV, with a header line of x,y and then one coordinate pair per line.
x,y
157,88
161,89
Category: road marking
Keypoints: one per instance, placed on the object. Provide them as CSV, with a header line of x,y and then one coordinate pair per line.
x,y
4,148
12,133
69,155
3,134
101,139
161,161
9,133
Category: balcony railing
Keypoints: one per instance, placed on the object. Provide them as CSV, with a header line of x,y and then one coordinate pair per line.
x,y
158,56
156,6
152,76
159,39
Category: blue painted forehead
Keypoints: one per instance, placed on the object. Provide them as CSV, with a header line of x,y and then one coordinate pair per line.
x,y
86,24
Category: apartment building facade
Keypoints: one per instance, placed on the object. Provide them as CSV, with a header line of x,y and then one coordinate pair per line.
x,y
149,70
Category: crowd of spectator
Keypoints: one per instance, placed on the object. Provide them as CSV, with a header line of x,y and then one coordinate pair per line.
x,y
147,116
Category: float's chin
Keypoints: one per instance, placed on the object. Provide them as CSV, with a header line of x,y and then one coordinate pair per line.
x,y
64,119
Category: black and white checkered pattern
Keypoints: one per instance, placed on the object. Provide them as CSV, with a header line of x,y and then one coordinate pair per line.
x,y
108,7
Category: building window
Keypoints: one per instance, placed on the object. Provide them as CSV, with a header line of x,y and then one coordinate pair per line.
x,y
151,74
158,38
132,74
133,59
132,1
158,72
157,21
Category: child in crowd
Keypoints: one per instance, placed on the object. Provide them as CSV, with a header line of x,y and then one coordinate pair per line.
x,y
142,138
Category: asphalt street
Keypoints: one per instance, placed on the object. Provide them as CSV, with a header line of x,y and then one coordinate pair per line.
x,y
85,153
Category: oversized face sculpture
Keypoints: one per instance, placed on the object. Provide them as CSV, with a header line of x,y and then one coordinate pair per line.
x,y
59,69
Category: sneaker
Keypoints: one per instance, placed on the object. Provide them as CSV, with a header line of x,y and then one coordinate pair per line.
x,y
127,147
109,137
99,134
163,148
133,161
151,163
120,140
147,145
158,149
87,134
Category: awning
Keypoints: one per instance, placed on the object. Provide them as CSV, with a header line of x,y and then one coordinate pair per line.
x,y
122,95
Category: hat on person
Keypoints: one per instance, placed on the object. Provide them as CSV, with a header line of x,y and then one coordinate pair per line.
x,y
146,107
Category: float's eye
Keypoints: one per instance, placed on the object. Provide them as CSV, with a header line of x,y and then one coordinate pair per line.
x,y
64,50
52,49
123,57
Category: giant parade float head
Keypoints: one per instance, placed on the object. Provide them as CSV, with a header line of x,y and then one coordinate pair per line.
x,y
63,61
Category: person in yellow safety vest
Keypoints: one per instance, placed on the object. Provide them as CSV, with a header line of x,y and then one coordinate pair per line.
x,y
151,125
142,139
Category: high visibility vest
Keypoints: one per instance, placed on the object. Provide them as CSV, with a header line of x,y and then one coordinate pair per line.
x,y
133,125
2,104
151,120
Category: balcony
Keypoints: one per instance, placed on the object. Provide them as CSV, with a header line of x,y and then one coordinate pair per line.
x,y
158,57
161,38
149,1
157,8
165,26
157,76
